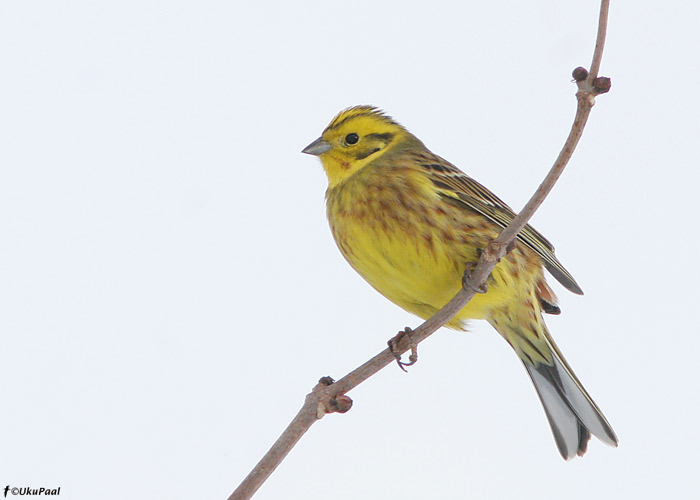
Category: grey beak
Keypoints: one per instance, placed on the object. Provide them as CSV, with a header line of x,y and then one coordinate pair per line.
x,y
318,147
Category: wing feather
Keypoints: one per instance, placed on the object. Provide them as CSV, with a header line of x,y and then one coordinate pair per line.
x,y
455,184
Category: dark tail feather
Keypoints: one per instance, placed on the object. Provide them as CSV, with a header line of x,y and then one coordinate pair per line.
x,y
572,414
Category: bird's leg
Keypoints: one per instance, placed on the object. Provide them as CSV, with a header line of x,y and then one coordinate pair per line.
x,y
394,343
467,275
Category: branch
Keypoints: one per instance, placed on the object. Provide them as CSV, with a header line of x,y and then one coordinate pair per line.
x,y
329,396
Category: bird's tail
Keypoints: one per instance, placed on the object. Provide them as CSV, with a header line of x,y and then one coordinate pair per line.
x,y
572,414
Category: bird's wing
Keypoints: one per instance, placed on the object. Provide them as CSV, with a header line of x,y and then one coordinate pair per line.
x,y
455,184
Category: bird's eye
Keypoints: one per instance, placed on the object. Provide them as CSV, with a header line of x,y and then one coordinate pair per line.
x,y
352,138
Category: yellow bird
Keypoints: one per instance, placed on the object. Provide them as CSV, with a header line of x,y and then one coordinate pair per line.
x,y
409,222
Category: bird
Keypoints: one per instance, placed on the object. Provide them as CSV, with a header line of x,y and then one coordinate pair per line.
x,y
410,222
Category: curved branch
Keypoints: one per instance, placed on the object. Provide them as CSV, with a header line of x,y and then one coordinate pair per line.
x,y
329,396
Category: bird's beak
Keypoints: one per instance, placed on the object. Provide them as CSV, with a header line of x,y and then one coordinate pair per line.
x,y
318,147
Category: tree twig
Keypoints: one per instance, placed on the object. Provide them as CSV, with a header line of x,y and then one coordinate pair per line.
x,y
329,396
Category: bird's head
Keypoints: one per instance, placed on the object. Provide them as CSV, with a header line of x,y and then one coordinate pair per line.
x,y
353,139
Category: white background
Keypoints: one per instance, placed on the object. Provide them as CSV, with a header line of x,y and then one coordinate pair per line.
x,y
170,291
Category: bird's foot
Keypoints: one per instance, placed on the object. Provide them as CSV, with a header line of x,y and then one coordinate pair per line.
x,y
483,288
393,346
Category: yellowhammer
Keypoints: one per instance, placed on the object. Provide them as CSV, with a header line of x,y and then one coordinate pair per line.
x,y
409,222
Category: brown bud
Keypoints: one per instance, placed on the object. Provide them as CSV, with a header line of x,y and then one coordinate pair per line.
x,y
326,381
341,404
602,84
580,74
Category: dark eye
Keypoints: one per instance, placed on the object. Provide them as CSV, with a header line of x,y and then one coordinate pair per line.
x,y
352,138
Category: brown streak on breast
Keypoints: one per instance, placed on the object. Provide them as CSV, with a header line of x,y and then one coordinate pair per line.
x,y
428,237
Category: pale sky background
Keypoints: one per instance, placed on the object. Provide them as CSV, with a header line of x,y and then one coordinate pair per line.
x,y
170,291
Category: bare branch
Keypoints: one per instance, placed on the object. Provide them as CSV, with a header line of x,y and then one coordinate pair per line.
x,y
600,39
329,397
312,411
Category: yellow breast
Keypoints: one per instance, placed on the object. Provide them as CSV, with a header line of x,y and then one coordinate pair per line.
x,y
410,245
